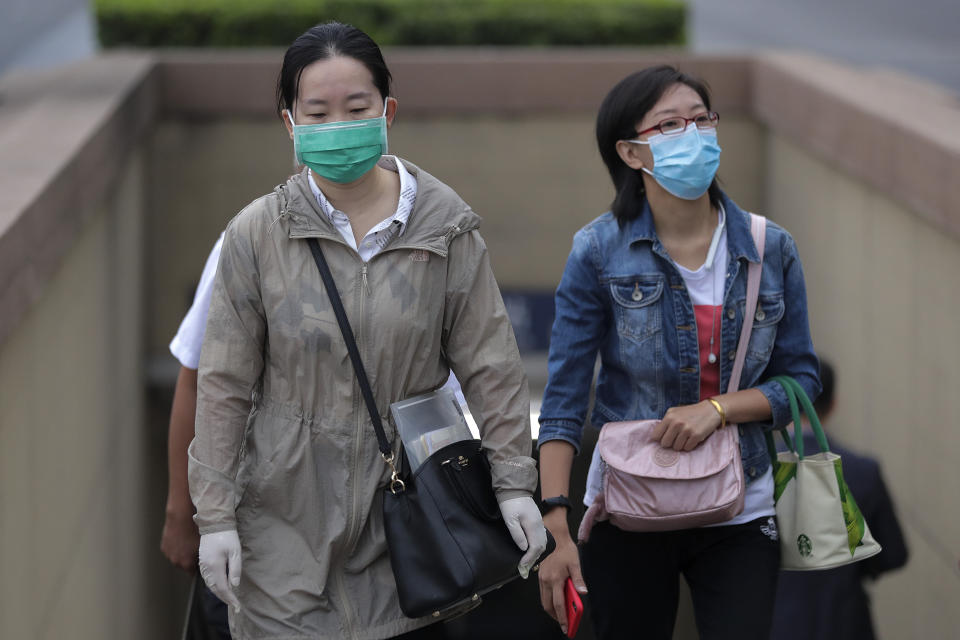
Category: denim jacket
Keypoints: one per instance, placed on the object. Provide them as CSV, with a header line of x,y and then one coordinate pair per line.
x,y
649,359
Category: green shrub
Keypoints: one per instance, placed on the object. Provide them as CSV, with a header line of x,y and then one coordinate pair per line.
x,y
242,23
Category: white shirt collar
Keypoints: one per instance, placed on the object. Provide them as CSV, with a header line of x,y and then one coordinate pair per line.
x,y
408,196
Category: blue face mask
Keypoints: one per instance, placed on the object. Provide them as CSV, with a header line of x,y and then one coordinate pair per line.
x,y
684,164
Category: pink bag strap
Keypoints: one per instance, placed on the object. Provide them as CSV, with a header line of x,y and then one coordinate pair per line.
x,y
758,228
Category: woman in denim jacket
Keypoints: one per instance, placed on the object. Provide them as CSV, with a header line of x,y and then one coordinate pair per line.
x,y
657,286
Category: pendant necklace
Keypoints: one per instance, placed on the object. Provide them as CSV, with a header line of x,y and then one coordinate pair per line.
x,y
712,358
711,255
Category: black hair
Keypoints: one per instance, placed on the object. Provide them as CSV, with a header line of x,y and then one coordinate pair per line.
x,y
824,401
625,106
323,41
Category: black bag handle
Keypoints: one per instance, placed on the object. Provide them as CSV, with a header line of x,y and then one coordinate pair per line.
x,y
358,369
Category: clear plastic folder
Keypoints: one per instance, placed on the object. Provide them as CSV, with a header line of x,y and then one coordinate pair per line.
x,y
429,422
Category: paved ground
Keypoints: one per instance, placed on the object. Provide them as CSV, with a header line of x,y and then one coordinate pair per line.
x,y
917,36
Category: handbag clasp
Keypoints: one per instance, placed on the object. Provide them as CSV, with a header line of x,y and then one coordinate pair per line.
x,y
459,463
396,484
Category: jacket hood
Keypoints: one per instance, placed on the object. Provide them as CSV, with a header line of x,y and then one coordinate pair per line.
x,y
438,214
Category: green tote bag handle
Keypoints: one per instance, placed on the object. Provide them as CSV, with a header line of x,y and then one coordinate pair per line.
x,y
796,393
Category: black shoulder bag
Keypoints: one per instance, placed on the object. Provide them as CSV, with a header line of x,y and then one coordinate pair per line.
x,y
447,539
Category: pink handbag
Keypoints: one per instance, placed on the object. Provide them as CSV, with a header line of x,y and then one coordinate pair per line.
x,y
649,488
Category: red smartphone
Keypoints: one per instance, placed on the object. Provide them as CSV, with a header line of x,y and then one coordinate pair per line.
x,y
574,608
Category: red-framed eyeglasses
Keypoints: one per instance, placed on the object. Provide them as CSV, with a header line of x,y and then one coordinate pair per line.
x,y
678,124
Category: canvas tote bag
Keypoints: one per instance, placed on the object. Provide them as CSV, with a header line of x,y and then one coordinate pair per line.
x,y
819,522
647,487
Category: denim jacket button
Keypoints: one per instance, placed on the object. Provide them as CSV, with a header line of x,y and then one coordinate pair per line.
x,y
752,471
732,355
731,314
760,315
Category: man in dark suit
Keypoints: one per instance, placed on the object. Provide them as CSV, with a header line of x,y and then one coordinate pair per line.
x,y
832,603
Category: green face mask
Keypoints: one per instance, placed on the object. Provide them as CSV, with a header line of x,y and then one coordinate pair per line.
x,y
341,151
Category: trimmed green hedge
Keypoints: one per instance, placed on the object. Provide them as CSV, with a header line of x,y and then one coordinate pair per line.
x,y
244,23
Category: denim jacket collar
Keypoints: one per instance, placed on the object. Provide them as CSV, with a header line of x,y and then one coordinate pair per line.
x,y
739,240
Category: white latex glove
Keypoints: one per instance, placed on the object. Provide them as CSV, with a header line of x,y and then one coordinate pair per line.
x,y
220,558
526,526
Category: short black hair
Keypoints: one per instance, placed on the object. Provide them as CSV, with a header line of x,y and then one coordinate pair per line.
x,y
824,401
323,41
626,105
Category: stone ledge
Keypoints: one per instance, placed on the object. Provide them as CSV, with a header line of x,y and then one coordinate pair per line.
x,y
505,81
896,133
64,137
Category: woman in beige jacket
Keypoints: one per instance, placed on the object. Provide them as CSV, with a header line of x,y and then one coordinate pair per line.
x,y
284,469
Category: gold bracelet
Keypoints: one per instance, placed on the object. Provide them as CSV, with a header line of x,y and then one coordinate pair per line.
x,y
719,408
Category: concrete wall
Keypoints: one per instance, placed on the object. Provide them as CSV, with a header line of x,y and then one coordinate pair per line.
x,y
202,173
884,304
73,514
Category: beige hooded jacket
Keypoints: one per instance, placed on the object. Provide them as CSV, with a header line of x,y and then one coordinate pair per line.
x,y
285,451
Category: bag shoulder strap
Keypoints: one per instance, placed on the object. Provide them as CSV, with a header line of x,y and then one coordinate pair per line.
x,y
758,229
358,368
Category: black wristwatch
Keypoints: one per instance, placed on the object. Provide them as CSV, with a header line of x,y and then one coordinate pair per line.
x,y
550,503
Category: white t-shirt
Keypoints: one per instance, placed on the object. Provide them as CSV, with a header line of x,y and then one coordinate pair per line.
x,y
185,346
705,286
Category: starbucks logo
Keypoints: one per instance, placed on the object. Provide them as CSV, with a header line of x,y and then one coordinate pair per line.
x,y
804,546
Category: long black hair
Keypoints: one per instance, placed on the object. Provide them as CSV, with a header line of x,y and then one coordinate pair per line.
x,y
324,41
626,105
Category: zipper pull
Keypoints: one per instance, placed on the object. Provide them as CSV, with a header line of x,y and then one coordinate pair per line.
x,y
363,277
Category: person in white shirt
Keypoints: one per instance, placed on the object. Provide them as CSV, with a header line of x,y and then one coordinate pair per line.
x,y
180,540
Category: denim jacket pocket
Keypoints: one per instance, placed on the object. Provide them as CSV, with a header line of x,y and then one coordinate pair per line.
x,y
769,312
635,305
